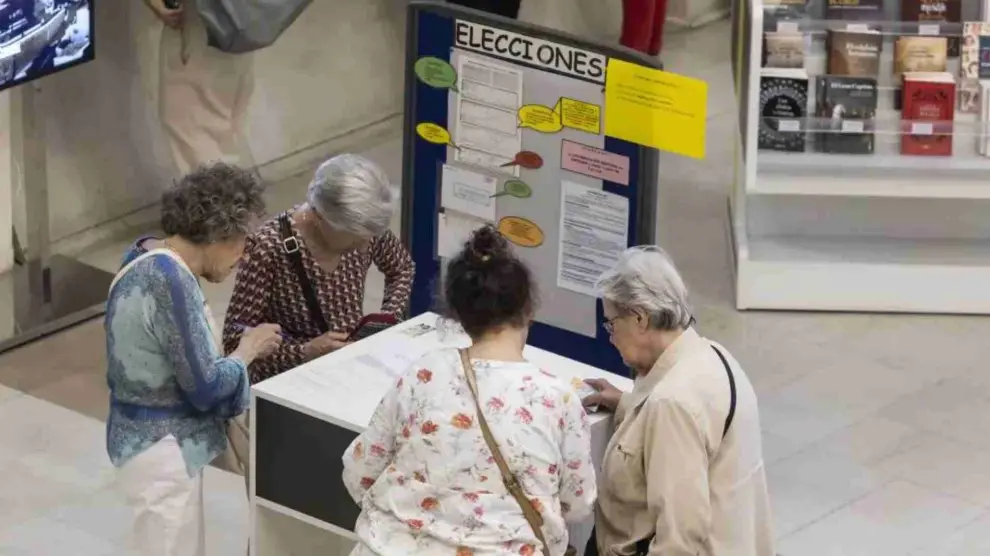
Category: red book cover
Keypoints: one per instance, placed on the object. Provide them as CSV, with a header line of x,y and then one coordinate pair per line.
x,y
927,114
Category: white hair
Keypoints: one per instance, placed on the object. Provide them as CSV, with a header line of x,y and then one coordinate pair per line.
x,y
353,195
646,280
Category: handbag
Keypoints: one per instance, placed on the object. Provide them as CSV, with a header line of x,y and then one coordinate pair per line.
x,y
236,458
239,26
509,479
290,245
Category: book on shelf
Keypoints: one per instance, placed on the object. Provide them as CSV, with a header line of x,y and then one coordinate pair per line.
x,y
776,10
849,105
783,109
854,53
917,54
983,136
783,50
928,111
974,56
855,10
968,93
934,12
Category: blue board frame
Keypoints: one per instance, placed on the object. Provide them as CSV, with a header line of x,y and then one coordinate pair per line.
x,y
431,33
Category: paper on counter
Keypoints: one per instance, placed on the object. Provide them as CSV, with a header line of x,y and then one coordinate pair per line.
x,y
594,231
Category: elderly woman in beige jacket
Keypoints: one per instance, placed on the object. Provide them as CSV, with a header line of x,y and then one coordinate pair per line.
x,y
683,474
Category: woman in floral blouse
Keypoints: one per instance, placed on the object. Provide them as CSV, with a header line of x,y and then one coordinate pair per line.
x,y
422,471
332,240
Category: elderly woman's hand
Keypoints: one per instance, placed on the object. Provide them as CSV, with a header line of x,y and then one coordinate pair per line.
x,y
605,395
322,345
258,342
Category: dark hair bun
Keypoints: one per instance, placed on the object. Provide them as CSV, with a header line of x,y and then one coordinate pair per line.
x,y
486,286
486,246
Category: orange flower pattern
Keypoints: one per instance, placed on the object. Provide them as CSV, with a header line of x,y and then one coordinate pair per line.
x,y
461,421
421,468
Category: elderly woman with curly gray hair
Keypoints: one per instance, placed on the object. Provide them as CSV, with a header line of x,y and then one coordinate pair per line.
x,y
683,474
171,388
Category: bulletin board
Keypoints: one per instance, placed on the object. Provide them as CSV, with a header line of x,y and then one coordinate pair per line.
x,y
508,123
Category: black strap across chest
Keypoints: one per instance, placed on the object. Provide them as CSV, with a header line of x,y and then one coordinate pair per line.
x,y
290,246
732,392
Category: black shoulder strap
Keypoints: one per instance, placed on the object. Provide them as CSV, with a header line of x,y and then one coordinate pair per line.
x,y
290,246
643,546
732,392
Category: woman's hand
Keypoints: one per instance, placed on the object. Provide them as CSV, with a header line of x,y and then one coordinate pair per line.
x,y
170,17
322,345
605,395
258,342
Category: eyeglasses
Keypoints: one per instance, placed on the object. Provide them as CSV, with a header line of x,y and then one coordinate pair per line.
x,y
609,324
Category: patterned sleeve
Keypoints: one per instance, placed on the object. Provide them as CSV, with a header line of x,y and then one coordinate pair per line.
x,y
249,307
392,258
209,381
372,452
578,488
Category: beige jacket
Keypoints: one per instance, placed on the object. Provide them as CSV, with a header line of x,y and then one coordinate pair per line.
x,y
667,470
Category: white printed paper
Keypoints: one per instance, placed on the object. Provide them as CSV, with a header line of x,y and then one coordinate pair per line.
x,y
453,231
468,192
488,100
594,231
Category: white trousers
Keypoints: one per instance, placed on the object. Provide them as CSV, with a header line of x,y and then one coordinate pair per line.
x,y
203,97
167,502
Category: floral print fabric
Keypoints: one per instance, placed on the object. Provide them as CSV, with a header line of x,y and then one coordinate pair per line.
x,y
428,483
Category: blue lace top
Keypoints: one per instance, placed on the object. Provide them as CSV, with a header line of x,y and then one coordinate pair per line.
x,y
165,371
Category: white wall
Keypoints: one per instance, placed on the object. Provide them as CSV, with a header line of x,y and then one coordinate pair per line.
x,y
338,69
694,13
6,208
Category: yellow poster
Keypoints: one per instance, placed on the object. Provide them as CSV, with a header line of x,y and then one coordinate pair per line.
x,y
655,108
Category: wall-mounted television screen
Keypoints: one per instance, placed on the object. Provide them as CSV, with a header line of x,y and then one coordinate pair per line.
x,y
39,37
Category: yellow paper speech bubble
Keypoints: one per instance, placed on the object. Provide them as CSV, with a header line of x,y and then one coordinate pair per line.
x,y
433,133
582,116
540,118
522,232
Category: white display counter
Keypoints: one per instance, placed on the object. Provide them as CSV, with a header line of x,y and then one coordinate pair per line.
x,y
303,420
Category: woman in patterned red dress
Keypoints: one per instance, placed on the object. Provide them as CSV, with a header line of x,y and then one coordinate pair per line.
x,y
305,270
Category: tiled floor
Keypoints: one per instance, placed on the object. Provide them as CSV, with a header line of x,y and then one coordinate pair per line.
x,y
875,426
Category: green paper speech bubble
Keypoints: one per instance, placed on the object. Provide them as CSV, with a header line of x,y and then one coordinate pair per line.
x,y
516,188
436,73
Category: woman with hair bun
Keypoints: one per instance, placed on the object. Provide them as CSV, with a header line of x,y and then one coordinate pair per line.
x,y
476,450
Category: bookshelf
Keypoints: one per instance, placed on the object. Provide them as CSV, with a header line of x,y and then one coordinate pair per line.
x,y
882,231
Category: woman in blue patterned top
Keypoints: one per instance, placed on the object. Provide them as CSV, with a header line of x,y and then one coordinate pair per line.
x,y
171,388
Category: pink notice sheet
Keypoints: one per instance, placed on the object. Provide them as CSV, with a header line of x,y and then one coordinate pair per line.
x,y
594,162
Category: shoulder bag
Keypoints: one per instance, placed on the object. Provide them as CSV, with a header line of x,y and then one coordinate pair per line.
x,y
290,246
509,479
239,26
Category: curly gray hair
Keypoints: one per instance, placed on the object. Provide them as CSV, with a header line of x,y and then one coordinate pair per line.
x,y
213,203
645,279
353,195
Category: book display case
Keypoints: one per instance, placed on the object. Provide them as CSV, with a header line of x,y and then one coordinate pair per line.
x,y
863,173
